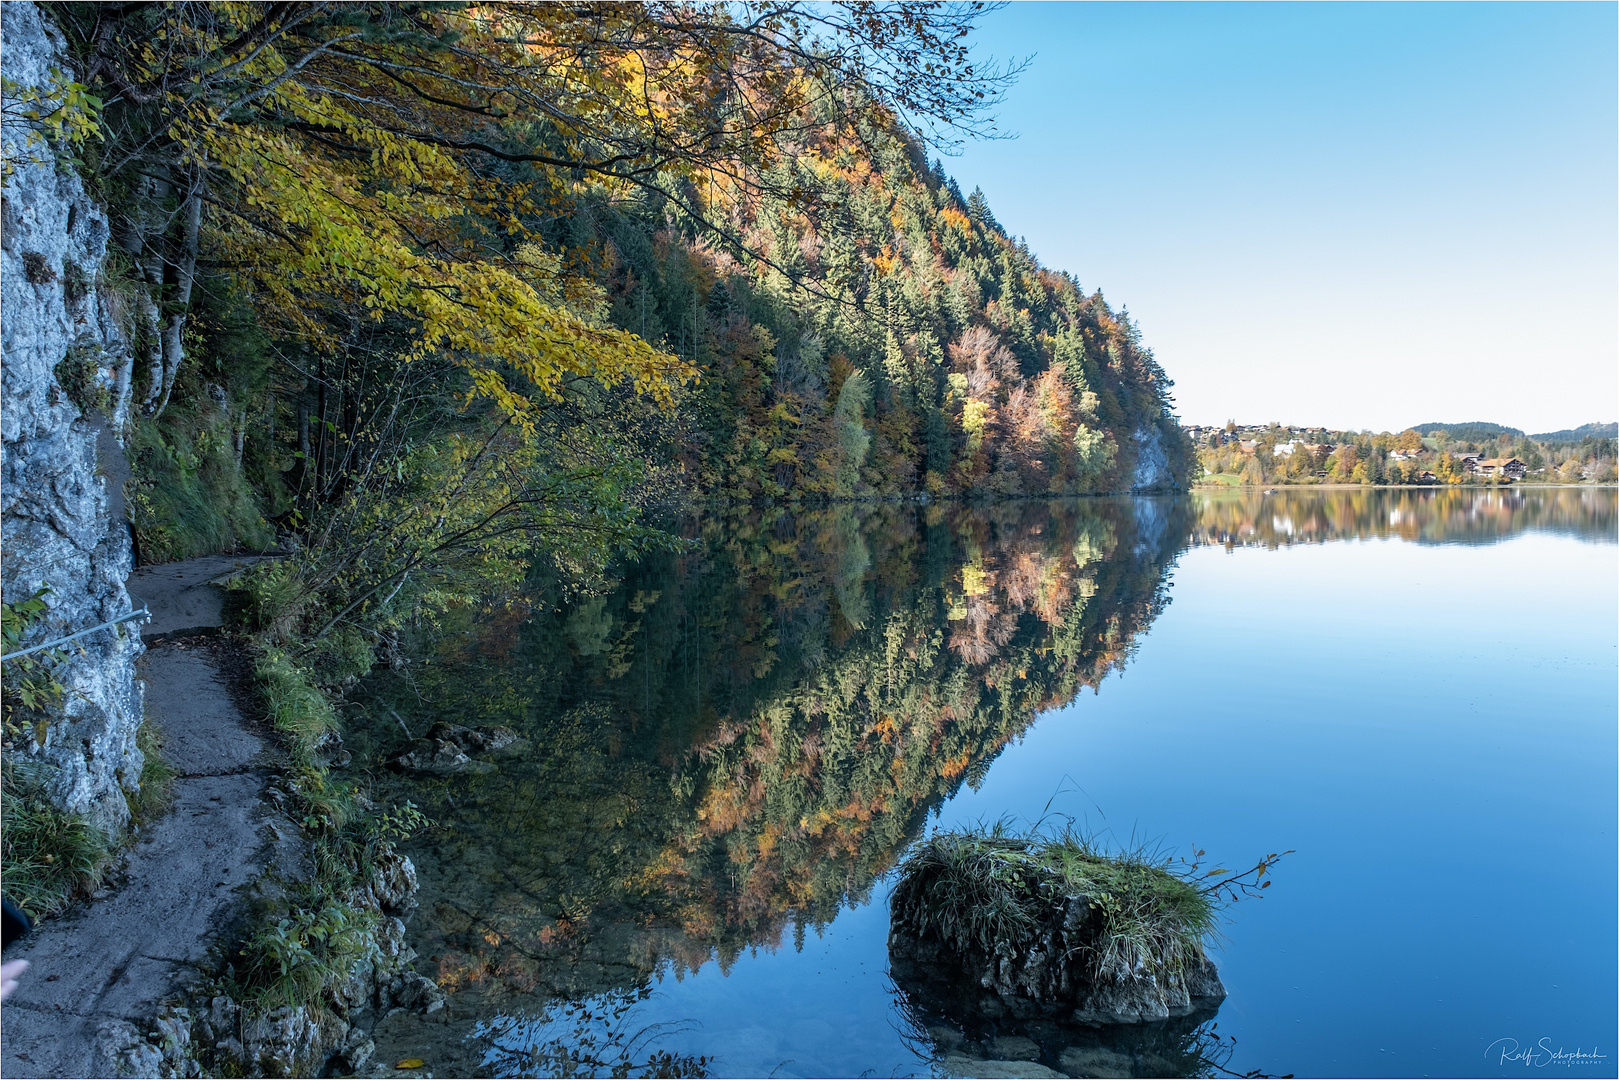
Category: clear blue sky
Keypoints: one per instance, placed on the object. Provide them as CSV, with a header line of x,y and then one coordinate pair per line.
x,y
1360,215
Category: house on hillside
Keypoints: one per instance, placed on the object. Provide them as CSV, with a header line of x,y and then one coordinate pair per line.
x,y
1510,468
1426,477
1286,449
1248,446
1467,463
1403,455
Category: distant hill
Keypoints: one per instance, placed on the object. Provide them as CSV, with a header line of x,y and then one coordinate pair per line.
x,y
1470,431
1584,431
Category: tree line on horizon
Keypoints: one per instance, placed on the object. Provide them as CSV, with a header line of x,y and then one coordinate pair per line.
x,y
1274,454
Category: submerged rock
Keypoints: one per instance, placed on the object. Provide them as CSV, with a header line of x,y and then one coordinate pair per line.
x,y
986,1068
475,740
969,1032
448,748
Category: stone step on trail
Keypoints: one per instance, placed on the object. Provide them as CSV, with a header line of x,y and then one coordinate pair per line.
x,y
185,597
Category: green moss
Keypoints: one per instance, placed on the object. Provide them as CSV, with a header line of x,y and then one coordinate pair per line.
x,y
79,375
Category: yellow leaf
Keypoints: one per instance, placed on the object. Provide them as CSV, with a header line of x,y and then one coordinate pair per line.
x,y
409,1063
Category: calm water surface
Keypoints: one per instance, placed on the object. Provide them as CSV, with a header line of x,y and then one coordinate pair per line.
x,y
689,856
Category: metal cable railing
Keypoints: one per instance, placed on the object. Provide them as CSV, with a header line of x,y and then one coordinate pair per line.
x,y
142,612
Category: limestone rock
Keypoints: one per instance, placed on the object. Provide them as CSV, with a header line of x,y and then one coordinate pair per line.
x,y
123,1051
438,757
1152,471
1048,975
447,749
62,520
393,882
290,1041
474,740
1015,1048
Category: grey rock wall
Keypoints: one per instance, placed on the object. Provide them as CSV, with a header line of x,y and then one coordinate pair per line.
x,y
55,525
1152,471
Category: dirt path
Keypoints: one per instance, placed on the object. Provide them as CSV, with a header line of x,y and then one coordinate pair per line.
x,y
101,972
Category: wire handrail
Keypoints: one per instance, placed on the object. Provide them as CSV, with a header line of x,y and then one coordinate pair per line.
x,y
143,610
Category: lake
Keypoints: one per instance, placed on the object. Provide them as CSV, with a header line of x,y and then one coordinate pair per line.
x,y
682,868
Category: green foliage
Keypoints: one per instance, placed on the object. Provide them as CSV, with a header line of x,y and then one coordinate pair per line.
x,y
292,959
990,889
79,374
151,799
296,708
187,495
49,857
29,689
891,343
63,116
1584,431
849,422
1469,431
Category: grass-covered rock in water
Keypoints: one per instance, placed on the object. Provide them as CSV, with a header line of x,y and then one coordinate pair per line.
x,y
1053,926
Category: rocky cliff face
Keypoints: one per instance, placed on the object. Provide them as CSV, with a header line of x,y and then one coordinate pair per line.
x,y
1152,471
61,339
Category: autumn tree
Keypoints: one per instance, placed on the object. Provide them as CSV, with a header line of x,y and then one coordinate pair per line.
x,y
375,180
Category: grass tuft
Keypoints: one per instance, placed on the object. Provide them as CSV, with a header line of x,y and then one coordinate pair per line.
x,y
296,708
151,800
47,858
990,890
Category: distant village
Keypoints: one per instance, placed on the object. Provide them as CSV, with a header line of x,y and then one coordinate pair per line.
x,y
1472,453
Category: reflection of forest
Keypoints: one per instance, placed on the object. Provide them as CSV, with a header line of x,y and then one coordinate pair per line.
x,y
742,738
1427,515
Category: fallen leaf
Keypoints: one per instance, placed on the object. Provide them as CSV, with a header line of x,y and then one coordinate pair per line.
x,y
409,1063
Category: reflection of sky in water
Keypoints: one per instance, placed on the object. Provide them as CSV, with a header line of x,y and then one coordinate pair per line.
x,y
1431,728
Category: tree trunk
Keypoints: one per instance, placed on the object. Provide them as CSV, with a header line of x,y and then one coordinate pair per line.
x,y
185,267
151,333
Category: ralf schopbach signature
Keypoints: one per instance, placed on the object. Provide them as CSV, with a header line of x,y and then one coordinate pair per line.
x,y
1539,1054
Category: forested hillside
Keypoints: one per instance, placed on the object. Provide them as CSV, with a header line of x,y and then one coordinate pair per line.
x,y
353,236
898,342
434,296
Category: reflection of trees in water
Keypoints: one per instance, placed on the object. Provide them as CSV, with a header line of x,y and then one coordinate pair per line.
x,y
739,740
1426,515
599,1036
